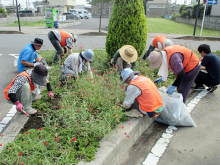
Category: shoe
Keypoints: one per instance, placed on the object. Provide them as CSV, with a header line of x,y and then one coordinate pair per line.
x,y
32,111
195,88
212,88
38,97
134,113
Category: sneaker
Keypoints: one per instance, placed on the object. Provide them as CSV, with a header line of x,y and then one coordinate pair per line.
x,y
212,88
195,88
32,111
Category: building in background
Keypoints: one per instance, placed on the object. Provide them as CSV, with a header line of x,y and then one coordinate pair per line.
x,y
63,5
215,9
107,9
156,8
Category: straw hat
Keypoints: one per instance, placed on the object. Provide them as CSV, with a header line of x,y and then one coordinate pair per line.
x,y
128,53
155,58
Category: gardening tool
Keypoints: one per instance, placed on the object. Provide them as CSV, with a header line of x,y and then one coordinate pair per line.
x,y
25,112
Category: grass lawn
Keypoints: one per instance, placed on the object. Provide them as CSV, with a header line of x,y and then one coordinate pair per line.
x,y
24,23
160,25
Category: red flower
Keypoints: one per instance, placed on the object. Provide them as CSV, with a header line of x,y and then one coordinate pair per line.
x,y
73,99
55,139
0,144
60,106
128,136
75,93
122,127
119,102
27,132
22,163
70,140
45,143
125,133
57,136
40,129
19,153
92,113
103,117
122,87
116,106
82,88
114,114
74,139
56,126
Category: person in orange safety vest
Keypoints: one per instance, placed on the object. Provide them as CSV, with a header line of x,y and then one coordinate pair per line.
x,y
142,95
158,42
24,88
61,39
182,61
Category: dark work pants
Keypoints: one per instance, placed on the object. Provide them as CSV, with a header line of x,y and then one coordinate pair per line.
x,y
203,79
54,41
187,83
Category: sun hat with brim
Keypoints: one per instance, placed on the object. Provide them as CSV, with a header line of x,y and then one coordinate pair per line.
x,y
127,72
88,54
128,53
155,58
37,41
39,75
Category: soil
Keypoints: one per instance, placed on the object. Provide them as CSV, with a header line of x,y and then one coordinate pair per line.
x,y
11,32
198,38
94,34
35,121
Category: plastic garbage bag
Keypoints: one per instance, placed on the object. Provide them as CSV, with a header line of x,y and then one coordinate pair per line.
x,y
175,112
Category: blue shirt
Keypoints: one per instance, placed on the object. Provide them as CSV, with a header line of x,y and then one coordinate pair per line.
x,y
27,54
212,64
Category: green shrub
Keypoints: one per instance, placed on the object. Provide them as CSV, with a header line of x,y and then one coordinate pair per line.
x,y
127,26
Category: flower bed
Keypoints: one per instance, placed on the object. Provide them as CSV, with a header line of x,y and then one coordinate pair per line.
x,y
69,127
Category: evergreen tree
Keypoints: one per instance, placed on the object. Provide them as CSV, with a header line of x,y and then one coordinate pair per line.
x,y
127,26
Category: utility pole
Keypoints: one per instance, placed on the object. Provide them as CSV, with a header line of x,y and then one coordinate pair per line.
x,y
18,16
197,13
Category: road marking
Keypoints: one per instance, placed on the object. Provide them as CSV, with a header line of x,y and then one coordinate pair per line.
x,y
8,117
161,145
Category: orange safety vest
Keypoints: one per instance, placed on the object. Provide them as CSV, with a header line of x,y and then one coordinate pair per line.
x,y
64,36
160,39
150,99
10,85
190,60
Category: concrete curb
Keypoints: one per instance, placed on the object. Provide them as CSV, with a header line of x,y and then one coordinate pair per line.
x,y
119,141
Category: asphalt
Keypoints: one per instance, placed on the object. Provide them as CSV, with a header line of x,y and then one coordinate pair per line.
x,y
114,146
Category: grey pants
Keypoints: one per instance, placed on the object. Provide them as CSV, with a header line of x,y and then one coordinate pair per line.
x,y
54,41
187,83
66,71
25,97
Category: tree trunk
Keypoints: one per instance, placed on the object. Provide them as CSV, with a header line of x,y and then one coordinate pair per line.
x,y
100,17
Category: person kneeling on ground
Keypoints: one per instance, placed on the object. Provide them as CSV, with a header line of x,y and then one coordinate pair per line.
x,y
61,39
24,88
28,55
158,42
125,57
142,95
211,64
182,61
76,63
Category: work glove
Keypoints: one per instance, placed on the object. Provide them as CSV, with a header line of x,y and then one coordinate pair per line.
x,y
36,64
65,50
171,89
50,94
19,106
158,80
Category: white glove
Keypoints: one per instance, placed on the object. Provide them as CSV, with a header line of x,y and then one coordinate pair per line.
x,y
48,68
36,64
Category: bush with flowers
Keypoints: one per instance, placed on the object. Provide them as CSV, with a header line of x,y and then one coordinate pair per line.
x,y
82,112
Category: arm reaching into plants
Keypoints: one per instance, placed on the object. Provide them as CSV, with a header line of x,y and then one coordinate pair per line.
x,y
50,94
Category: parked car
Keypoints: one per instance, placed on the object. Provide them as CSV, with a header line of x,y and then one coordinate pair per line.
x,y
72,16
83,13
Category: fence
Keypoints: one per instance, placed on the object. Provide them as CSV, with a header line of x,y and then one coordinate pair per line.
x,y
6,18
210,22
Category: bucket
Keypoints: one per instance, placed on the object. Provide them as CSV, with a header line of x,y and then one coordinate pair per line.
x,y
56,24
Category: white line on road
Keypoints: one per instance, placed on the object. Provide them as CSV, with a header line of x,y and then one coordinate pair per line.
x,y
161,145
